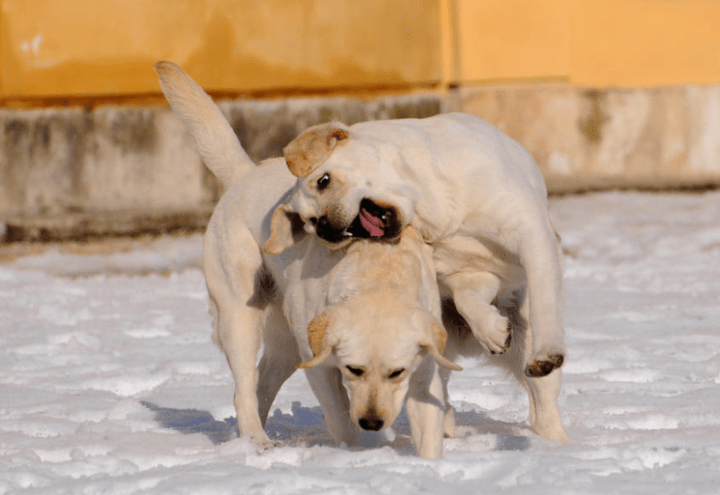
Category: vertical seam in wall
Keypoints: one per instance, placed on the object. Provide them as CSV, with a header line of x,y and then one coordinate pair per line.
x,y
2,60
449,44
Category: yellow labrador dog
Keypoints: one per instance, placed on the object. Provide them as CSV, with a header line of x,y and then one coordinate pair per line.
x,y
472,192
478,198
364,319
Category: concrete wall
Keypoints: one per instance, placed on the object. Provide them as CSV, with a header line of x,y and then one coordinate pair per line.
x,y
590,139
75,173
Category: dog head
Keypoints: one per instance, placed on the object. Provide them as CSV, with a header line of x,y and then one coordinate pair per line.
x,y
378,360
347,189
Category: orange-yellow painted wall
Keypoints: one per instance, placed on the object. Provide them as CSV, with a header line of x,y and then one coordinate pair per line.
x,y
90,48
589,43
645,42
512,40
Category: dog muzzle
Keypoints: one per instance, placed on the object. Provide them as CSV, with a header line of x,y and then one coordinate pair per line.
x,y
372,222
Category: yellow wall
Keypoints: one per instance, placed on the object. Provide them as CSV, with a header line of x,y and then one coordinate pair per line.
x,y
589,43
511,40
90,48
646,42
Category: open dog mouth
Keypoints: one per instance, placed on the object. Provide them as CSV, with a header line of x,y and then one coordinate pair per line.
x,y
372,222
375,221
374,225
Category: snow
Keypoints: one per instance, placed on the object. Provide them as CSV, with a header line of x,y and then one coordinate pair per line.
x,y
109,381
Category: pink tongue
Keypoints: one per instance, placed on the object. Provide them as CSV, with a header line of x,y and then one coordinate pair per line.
x,y
372,224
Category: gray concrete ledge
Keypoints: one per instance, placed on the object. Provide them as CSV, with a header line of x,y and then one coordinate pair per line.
x,y
75,174
70,174
584,139
89,226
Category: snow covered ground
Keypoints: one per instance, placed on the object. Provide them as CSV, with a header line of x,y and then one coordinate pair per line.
x,y
109,382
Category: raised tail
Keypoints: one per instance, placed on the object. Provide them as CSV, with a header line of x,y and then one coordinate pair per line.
x,y
214,139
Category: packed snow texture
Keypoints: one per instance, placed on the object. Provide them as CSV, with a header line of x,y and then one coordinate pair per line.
x,y
110,382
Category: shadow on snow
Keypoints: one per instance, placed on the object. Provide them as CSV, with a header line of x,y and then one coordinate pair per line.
x,y
304,425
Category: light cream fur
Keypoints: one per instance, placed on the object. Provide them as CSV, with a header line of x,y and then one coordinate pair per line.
x,y
370,306
382,330
478,198
472,192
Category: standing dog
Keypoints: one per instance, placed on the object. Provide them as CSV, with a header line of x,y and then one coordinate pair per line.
x,y
476,196
365,318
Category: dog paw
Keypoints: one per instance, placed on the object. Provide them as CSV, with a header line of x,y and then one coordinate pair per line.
x,y
496,335
506,345
263,443
267,445
543,367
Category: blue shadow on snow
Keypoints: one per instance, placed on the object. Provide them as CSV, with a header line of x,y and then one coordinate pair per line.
x,y
305,425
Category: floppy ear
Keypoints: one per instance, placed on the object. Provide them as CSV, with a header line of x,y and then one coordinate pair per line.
x,y
321,341
286,230
311,148
436,345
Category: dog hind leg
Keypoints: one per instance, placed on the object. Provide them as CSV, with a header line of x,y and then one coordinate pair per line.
x,y
239,315
241,348
279,360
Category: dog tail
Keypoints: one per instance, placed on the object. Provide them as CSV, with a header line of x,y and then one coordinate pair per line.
x,y
214,139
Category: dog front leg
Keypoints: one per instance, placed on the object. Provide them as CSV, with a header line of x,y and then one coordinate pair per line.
x,y
541,258
544,413
425,407
449,420
473,293
326,383
542,391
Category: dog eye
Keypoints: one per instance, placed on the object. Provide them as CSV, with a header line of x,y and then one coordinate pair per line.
x,y
323,182
355,371
396,373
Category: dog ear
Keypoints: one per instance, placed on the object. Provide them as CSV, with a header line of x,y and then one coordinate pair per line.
x,y
436,344
320,340
311,148
286,230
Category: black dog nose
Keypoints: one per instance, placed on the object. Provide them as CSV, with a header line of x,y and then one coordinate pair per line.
x,y
325,229
371,424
